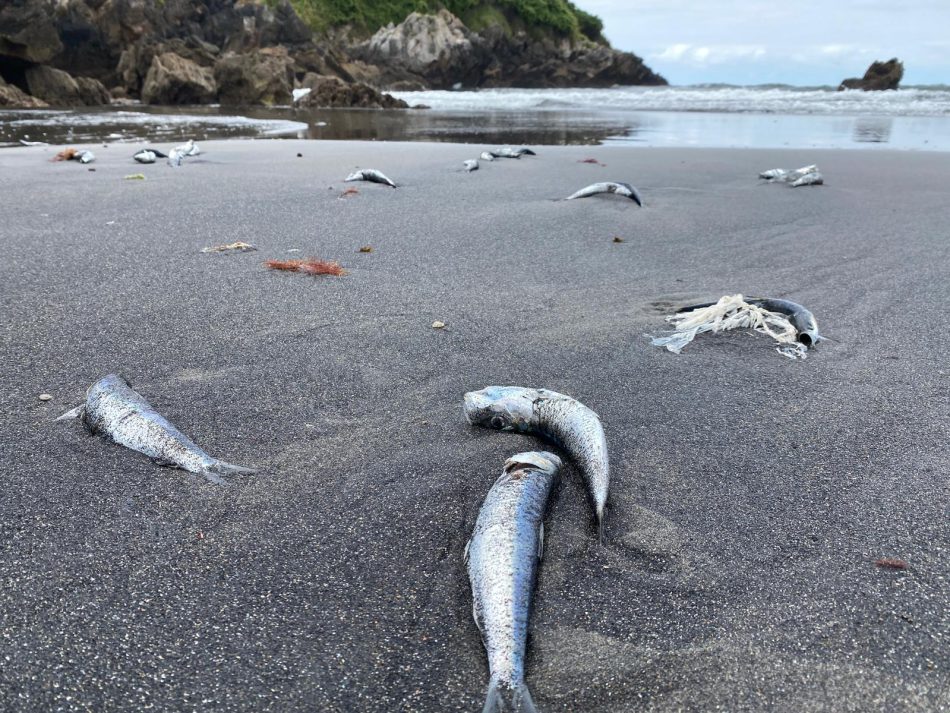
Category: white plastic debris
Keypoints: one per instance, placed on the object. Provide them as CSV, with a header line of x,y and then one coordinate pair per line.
x,y
732,312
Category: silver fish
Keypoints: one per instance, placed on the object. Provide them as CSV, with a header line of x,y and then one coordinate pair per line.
x,y
370,174
114,410
809,179
774,174
559,418
780,175
471,165
509,152
799,317
621,189
486,156
24,142
86,157
148,155
503,557
174,157
188,149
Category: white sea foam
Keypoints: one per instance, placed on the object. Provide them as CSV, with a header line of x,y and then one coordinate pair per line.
x,y
924,101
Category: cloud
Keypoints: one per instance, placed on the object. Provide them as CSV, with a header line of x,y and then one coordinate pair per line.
x,y
709,54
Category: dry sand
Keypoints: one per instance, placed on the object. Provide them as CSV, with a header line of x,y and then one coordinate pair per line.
x,y
750,496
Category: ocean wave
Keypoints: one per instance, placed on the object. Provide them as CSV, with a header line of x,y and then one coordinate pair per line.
x,y
765,99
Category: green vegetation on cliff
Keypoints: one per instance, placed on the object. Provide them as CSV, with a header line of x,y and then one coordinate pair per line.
x,y
367,16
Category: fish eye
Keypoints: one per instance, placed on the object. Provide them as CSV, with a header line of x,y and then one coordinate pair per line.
x,y
497,421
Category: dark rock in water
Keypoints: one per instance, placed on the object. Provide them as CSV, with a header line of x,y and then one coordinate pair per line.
x,y
175,80
328,92
15,98
880,75
440,51
58,88
28,33
262,77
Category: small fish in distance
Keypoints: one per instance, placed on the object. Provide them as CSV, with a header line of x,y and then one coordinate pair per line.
x,y
502,556
509,152
809,179
470,165
620,189
190,148
486,156
24,142
560,419
148,155
174,157
371,175
114,410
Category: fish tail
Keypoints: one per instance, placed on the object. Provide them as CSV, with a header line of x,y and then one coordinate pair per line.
x,y
503,698
601,513
219,467
73,413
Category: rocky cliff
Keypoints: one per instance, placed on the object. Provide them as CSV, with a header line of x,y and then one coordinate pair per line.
x,y
86,52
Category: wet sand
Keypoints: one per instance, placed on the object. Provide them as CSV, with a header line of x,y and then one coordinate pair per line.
x,y
751,494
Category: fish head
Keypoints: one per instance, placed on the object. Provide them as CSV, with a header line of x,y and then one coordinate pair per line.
x,y
807,326
543,461
504,408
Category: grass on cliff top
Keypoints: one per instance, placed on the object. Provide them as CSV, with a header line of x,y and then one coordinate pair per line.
x,y
367,16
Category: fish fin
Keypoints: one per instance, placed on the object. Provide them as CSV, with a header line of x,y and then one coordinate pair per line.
x,y
502,698
540,541
73,413
163,463
219,467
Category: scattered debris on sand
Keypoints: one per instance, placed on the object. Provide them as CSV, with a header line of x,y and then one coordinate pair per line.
x,y
804,176
238,246
349,192
891,563
134,177
310,266
366,249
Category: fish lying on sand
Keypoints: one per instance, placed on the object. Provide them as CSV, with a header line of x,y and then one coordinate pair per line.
x,y
486,156
174,157
114,410
804,176
148,155
509,152
562,420
620,189
24,142
238,246
371,175
503,556
190,148
86,157
793,327
470,165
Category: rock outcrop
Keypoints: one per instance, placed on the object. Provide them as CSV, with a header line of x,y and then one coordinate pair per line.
x,y
331,92
880,76
440,51
175,80
14,97
261,77
57,88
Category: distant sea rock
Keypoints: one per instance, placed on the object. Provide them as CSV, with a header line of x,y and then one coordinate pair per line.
x,y
880,75
330,92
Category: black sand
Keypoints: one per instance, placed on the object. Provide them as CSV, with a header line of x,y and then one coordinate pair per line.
x,y
751,494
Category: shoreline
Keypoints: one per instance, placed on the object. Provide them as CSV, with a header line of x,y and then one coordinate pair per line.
x,y
750,495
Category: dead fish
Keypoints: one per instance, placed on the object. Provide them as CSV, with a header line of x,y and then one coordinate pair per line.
x,y
620,189
371,175
802,319
24,142
774,174
486,156
809,179
86,157
503,555
470,165
509,152
780,175
190,148
238,246
148,155
114,410
174,157
565,421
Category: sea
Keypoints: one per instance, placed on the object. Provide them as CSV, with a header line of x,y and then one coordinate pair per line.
x,y
723,116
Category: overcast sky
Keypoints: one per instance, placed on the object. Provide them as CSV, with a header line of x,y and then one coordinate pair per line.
x,y
803,42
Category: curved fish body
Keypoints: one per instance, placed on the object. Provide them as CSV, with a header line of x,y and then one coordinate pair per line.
x,y
188,149
114,410
371,175
148,155
509,152
620,189
174,157
471,165
560,419
799,317
503,557
486,156
809,179
24,142
774,174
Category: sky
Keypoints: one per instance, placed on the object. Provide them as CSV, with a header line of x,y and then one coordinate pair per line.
x,y
802,42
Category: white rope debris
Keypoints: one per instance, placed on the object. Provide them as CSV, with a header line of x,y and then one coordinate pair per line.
x,y
732,312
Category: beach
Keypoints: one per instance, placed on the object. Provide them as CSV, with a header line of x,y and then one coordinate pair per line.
x,y
751,494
